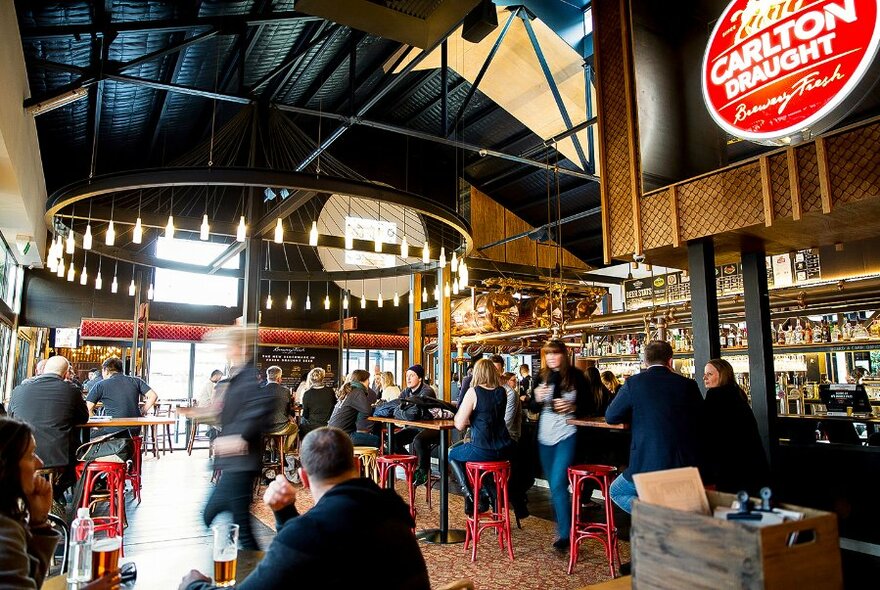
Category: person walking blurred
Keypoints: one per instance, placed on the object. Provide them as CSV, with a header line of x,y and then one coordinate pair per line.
x,y
562,393
238,450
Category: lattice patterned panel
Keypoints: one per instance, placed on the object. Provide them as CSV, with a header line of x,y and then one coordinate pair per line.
x,y
780,187
656,220
612,99
728,200
854,164
808,174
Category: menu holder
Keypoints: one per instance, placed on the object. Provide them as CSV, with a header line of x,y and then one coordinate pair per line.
x,y
680,489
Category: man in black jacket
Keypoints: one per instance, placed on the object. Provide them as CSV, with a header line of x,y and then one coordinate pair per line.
x,y
247,409
326,545
422,439
665,412
53,407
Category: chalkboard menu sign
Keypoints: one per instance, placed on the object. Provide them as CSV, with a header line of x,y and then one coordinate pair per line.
x,y
297,361
782,270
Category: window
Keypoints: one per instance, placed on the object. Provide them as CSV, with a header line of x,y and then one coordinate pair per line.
x,y
176,286
169,369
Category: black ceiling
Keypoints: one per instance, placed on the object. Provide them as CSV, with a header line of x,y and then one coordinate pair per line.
x,y
162,74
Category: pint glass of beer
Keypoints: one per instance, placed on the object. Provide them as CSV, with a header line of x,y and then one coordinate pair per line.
x,y
105,553
225,554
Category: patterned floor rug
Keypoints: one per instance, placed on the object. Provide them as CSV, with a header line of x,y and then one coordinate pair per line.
x,y
536,565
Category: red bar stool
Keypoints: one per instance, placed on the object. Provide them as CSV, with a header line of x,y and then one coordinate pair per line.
x,y
116,475
388,463
499,518
581,529
134,472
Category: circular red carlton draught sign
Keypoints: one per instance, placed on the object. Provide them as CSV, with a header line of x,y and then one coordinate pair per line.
x,y
775,68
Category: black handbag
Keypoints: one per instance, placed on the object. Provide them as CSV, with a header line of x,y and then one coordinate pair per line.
x,y
107,449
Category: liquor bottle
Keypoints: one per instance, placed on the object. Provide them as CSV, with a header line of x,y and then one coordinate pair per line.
x,y
731,338
745,337
722,338
798,335
772,332
82,535
846,332
739,337
780,339
835,333
808,333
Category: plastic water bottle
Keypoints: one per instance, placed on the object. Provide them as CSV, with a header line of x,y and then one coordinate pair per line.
x,y
82,535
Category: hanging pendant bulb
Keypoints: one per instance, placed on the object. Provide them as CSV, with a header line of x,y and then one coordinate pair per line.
x,y
446,290
442,257
114,286
411,298
404,248
87,238
345,301
84,275
131,289
169,228
52,259
380,303
110,238
99,282
150,292
241,231
453,264
70,243
308,302
313,234
137,236
71,272
426,254
60,272
269,301
363,302
378,239
349,239
279,231
326,302
424,294
462,274
289,303
396,300
437,292
205,229
455,286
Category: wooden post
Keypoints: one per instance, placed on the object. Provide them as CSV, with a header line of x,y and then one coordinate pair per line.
x,y
444,336
415,325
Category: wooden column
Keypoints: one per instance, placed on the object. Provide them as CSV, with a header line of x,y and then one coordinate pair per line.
x,y
415,325
704,304
762,378
444,336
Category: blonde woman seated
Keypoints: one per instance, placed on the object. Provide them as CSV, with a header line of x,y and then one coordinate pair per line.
x,y
318,401
482,408
389,389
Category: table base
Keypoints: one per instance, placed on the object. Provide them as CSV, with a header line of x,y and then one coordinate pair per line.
x,y
433,536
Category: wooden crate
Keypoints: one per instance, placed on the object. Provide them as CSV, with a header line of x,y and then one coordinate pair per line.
x,y
676,549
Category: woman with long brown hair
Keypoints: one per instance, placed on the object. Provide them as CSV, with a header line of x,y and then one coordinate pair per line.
x,y
735,458
355,405
562,393
27,541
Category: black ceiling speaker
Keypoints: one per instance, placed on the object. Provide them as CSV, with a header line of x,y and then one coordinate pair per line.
x,y
479,22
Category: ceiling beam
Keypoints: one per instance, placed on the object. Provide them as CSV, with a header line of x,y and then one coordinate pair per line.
x,y
225,24
303,43
330,67
175,47
303,65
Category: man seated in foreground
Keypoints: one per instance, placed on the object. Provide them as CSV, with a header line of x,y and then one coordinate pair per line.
x,y
350,513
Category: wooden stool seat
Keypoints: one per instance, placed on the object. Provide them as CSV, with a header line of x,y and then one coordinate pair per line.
x,y
367,460
388,463
499,518
604,532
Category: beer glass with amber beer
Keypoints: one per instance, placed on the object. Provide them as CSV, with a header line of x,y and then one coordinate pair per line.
x,y
105,553
225,554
